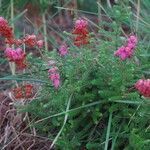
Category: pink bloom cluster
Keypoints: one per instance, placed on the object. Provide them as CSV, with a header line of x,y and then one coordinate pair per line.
x,y
63,50
127,51
13,54
54,77
12,41
40,43
31,41
81,32
17,56
143,86
81,24
5,29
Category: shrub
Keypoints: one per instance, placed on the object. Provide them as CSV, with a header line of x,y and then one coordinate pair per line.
x,y
88,94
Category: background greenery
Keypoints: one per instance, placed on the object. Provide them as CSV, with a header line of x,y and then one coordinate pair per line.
x,y
96,106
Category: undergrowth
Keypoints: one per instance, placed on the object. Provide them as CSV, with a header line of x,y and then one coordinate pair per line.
x,y
95,104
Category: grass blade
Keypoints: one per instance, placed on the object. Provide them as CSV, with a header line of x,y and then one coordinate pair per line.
x,y
65,120
22,79
108,131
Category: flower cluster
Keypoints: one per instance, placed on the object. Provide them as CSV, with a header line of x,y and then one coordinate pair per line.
x,y
17,56
143,86
54,76
12,41
23,91
127,51
40,43
5,29
81,32
63,50
29,40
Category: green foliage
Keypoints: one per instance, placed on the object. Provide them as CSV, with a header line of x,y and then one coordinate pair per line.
x,y
84,5
91,73
105,112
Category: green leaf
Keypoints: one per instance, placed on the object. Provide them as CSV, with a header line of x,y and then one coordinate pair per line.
x,y
108,132
22,79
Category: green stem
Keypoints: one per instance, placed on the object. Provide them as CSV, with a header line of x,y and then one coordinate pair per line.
x,y
109,4
99,13
45,32
137,15
65,120
108,131
12,64
12,14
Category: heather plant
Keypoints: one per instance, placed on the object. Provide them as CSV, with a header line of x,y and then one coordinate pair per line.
x,y
94,88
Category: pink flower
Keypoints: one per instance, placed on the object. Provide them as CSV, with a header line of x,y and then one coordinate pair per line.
x,y
30,40
63,50
56,83
132,39
127,51
3,22
5,29
17,56
40,43
143,86
12,41
54,77
9,53
119,51
53,70
81,32
14,55
122,53
81,24
131,45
